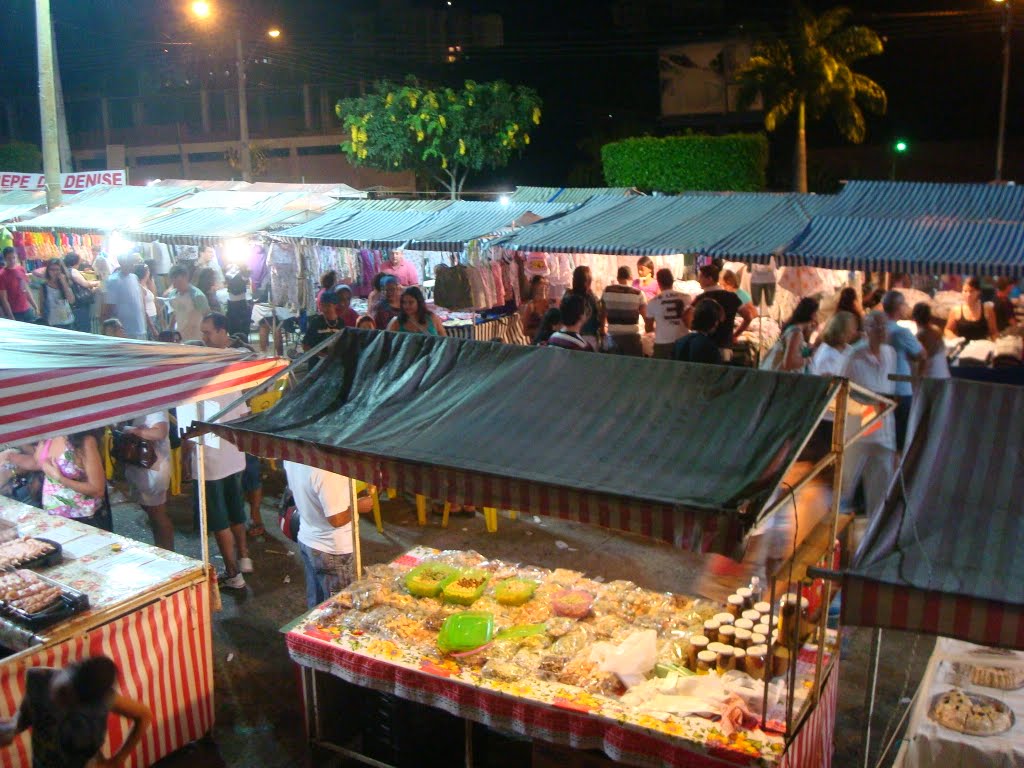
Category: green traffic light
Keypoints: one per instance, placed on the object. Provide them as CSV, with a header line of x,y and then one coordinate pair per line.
x,y
901,146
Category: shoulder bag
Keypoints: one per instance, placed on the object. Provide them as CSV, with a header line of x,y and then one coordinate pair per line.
x,y
132,449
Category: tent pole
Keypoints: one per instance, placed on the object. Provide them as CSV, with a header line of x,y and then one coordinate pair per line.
x,y
838,450
869,695
201,465
357,550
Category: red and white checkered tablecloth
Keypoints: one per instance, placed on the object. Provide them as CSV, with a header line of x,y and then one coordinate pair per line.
x,y
567,726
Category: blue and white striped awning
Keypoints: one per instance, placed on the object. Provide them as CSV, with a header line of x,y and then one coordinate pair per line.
x,y
573,195
418,225
647,226
926,245
16,212
87,219
772,232
107,196
904,199
209,225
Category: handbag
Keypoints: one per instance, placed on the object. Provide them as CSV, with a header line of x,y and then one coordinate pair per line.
x,y
288,516
132,449
83,296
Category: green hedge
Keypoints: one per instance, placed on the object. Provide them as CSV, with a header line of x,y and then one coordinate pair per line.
x,y
735,162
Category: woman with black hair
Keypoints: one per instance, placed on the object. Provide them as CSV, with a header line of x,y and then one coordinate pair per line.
x,y
645,281
849,301
57,296
415,317
582,280
974,319
792,352
206,281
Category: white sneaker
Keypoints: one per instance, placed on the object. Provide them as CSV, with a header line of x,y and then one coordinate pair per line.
x,y
245,564
235,582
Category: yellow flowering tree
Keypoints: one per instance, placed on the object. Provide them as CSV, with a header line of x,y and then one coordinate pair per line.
x,y
442,134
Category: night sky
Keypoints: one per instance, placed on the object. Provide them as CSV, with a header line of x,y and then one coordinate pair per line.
x,y
598,76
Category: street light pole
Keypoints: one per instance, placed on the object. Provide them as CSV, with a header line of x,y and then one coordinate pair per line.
x,y
244,155
1004,95
48,104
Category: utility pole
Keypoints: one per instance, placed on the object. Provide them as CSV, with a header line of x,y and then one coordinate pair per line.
x,y
243,110
1004,95
67,160
48,104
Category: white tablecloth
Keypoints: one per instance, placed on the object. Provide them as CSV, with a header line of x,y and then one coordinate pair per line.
x,y
929,745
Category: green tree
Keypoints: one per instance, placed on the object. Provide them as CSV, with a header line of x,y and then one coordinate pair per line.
x,y
21,157
808,73
440,133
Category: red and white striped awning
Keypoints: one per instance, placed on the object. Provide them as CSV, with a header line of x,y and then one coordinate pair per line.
x,y
55,382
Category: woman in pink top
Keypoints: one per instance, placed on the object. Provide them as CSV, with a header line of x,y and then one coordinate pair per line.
x,y
75,484
645,280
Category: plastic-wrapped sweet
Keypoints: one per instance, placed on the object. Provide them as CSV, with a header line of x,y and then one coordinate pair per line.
x,y
527,659
575,641
574,603
361,595
507,671
560,625
564,577
379,572
458,558
606,626
374,620
551,665
536,642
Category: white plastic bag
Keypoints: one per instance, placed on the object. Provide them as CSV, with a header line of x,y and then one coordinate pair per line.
x,y
631,659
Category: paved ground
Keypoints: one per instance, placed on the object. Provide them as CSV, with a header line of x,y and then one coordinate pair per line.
x,y
259,718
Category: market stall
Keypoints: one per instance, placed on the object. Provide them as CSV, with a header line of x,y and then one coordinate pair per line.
x,y
943,554
148,609
435,416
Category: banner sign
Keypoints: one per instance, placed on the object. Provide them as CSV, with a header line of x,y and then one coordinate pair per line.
x,y
70,182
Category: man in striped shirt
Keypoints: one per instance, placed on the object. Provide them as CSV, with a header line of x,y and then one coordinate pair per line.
x,y
624,307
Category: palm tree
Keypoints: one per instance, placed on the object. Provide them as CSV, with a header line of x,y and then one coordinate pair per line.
x,y
808,72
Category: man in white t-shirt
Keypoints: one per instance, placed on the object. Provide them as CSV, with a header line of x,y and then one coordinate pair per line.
x,y
666,311
872,458
324,502
122,299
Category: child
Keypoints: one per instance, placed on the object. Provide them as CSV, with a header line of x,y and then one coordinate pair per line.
x,y
366,323
67,711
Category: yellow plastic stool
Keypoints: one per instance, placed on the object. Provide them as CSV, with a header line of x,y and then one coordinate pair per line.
x,y
375,498
444,514
175,487
108,459
421,509
491,519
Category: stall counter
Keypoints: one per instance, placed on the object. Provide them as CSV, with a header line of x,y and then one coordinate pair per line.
x,y
149,610
549,711
960,666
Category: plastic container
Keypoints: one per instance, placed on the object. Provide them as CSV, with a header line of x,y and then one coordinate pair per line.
x,y
465,631
572,603
514,591
698,643
724,618
747,594
705,662
465,587
428,580
763,608
746,624
54,557
71,602
735,606
752,615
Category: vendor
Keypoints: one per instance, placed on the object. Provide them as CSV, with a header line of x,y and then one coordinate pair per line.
x,y
533,310
645,280
402,270
390,305
415,317
974,319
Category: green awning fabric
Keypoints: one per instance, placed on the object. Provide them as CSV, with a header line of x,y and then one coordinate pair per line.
x,y
692,457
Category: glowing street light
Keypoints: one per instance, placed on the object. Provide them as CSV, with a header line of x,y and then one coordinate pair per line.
x,y
201,9
274,33
900,146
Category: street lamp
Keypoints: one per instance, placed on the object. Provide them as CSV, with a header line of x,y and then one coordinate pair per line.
x,y
1004,94
899,147
203,10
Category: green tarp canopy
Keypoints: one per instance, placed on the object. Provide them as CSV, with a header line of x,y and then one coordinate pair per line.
x,y
679,452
